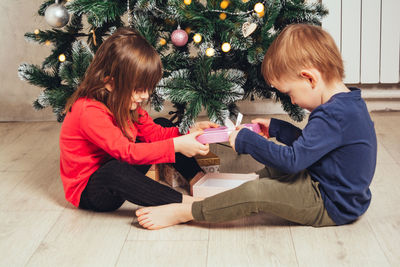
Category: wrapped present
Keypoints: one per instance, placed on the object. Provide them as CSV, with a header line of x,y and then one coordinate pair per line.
x,y
209,162
154,172
221,134
171,176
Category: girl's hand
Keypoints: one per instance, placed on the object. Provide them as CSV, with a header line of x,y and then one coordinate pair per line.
x,y
233,135
201,125
189,146
264,125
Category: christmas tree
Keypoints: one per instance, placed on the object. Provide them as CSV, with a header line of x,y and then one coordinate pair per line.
x,y
211,50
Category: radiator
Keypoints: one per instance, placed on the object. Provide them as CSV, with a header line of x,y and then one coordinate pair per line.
x,y
367,32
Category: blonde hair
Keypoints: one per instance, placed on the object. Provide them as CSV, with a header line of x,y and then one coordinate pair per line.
x,y
302,46
132,63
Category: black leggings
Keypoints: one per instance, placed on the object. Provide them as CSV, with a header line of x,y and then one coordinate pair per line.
x,y
116,181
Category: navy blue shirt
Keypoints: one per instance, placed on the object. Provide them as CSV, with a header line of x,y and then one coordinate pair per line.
x,y
337,147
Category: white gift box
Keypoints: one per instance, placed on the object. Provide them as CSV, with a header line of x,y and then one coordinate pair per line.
x,y
213,183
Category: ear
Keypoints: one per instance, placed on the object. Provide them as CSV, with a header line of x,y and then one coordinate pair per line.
x,y
312,75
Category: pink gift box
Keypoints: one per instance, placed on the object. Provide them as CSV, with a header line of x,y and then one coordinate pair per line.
x,y
221,134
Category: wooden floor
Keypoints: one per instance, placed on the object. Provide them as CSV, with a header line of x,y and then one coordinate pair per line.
x,y
39,228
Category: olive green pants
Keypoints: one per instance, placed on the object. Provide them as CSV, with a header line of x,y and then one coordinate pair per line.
x,y
294,197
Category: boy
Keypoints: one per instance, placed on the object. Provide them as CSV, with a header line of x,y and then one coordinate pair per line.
x,y
321,176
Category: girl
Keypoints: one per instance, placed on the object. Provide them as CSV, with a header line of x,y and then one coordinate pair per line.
x,y
101,165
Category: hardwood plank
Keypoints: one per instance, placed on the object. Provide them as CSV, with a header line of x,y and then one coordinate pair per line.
x,y
387,231
40,189
26,151
347,245
385,190
9,180
183,232
163,253
21,234
82,238
261,240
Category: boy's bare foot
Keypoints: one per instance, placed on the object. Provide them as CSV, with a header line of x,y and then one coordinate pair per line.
x,y
163,216
189,199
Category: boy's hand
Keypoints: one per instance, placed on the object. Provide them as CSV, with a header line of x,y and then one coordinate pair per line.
x,y
233,135
201,125
189,146
264,125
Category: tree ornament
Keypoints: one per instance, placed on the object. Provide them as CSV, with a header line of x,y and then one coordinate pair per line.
x,y
224,4
248,28
179,37
222,16
187,2
162,41
56,15
245,1
36,31
188,30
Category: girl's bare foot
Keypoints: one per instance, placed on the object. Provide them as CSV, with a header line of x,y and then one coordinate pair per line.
x,y
163,216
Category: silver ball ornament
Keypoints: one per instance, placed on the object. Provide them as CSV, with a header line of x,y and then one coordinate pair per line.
x,y
56,15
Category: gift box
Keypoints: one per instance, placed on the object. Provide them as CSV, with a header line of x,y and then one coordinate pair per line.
x,y
154,172
221,134
213,183
209,163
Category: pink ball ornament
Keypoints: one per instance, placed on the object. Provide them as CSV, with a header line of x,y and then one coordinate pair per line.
x,y
179,37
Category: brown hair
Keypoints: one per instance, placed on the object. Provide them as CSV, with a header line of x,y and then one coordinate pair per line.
x,y
132,64
299,46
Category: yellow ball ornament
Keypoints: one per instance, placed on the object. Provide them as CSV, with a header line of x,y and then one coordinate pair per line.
x,y
222,16
187,2
261,14
259,7
61,57
226,47
188,30
197,38
245,1
210,52
224,4
162,41
47,43
36,31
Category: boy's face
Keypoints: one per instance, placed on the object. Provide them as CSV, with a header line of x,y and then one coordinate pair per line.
x,y
301,92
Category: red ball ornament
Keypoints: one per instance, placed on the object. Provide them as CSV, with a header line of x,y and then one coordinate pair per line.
x,y
179,37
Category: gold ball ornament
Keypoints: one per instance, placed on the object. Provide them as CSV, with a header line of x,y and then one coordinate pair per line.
x,y
188,30
222,16
259,7
61,57
162,41
48,43
224,4
36,31
245,1
210,52
197,38
187,2
226,47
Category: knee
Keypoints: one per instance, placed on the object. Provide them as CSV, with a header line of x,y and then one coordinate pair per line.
x,y
250,190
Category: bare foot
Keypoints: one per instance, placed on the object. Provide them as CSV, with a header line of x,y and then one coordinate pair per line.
x,y
163,216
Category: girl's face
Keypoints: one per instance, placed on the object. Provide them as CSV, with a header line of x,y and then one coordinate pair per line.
x,y
138,97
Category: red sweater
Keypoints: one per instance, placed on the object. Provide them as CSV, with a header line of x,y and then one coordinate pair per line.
x,y
89,137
